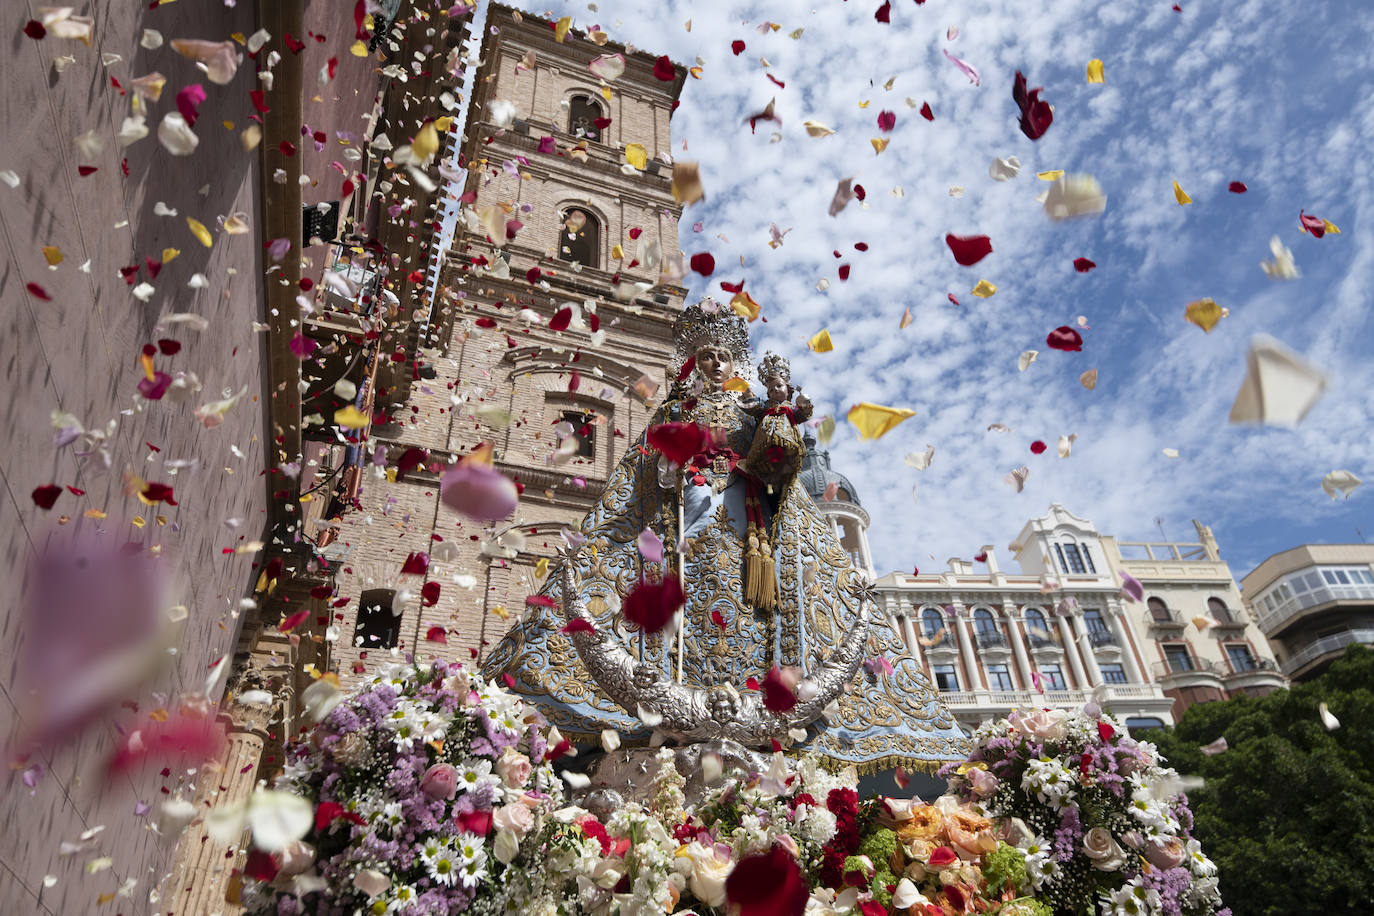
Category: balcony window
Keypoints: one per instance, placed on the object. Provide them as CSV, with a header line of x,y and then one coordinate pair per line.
x,y
1179,658
1113,674
946,678
1036,628
579,238
1159,610
1242,659
583,113
999,678
1220,612
378,627
1070,560
1052,677
1092,617
932,626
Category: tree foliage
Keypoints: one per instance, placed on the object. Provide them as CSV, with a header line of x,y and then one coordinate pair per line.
x,y
1287,811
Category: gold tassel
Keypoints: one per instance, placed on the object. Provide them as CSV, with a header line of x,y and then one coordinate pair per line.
x,y
753,571
768,586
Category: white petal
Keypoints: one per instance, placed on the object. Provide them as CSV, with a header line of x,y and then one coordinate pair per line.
x,y
278,819
610,739
176,135
1330,721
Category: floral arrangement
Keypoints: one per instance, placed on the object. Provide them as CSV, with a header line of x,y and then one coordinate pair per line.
x,y
429,788
434,792
1099,825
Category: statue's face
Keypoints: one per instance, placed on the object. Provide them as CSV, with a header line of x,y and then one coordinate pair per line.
x,y
777,389
715,364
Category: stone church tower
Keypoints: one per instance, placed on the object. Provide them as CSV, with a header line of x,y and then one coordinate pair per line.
x,y
556,228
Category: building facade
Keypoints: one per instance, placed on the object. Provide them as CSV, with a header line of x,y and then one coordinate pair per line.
x,y
1201,643
550,340
1313,601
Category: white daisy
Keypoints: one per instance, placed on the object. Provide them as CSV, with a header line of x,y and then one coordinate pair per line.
x,y
473,774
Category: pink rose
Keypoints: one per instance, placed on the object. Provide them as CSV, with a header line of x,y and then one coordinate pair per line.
x,y
514,768
515,818
982,782
1044,725
440,781
1165,854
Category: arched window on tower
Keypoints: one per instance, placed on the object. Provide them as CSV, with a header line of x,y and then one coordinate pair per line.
x,y
579,238
583,113
1159,610
1220,612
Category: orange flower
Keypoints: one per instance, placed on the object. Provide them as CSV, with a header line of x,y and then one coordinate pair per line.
x,y
926,823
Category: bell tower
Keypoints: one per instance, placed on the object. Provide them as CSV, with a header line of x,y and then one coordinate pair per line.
x,y
550,337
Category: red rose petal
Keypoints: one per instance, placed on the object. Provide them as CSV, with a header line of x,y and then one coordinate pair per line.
x,y
1313,224
860,246
884,13
579,625
1105,731
926,112
1037,448
1036,115
169,347
1237,187
664,69
678,442
1064,338
770,884
844,271
84,170
942,856
732,287
260,866
540,601
887,120
35,30
950,297
293,621
436,634
636,232
737,46
159,493
38,291
45,496
651,606
969,249
411,459
718,620
415,564
1083,265
859,192
532,275
560,320
983,557
703,263
752,683
687,368
287,148
778,695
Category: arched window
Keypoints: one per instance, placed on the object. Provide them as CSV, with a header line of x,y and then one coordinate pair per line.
x,y
1219,610
984,622
583,113
579,238
1035,627
932,622
378,627
1159,610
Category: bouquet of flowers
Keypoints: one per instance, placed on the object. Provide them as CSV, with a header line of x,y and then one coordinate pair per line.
x,y
429,788
1095,821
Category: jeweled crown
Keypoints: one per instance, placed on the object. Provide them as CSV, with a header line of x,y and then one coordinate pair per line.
x,y
707,321
774,366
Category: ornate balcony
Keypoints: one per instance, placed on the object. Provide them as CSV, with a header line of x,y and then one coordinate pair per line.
x,y
990,639
1102,638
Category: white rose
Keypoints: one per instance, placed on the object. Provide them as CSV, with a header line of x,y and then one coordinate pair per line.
x,y
707,878
1100,846
507,846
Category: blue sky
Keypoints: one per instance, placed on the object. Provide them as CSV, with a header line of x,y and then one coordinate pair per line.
x,y
1273,95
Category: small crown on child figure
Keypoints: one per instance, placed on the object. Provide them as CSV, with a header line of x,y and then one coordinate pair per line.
x,y
774,366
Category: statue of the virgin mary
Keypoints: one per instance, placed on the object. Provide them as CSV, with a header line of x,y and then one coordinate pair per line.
x,y
767,585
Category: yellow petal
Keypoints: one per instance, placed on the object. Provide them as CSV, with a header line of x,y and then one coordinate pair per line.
x,y
879,144
170,254
443,124
636,155
1181,195
138,521
695,71
200,232
826,431
500,611
350,417
874,420
864,103
906,320
1050,175
358,48
561,32
984,289
94,513
1095,74
618,253
1204,313
817,129
821,342
426,143
541,569
1088,379
735,384
391,475
53,254
687,188
744,306
1331,227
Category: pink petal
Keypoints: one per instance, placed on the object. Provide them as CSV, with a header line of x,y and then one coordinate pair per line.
x,y
964,68
650,546
1131,589
479,492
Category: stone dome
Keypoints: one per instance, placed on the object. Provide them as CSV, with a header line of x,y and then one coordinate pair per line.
x,y
817,474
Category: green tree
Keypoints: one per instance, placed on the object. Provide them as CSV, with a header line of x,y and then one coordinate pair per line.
x,y
1287,811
